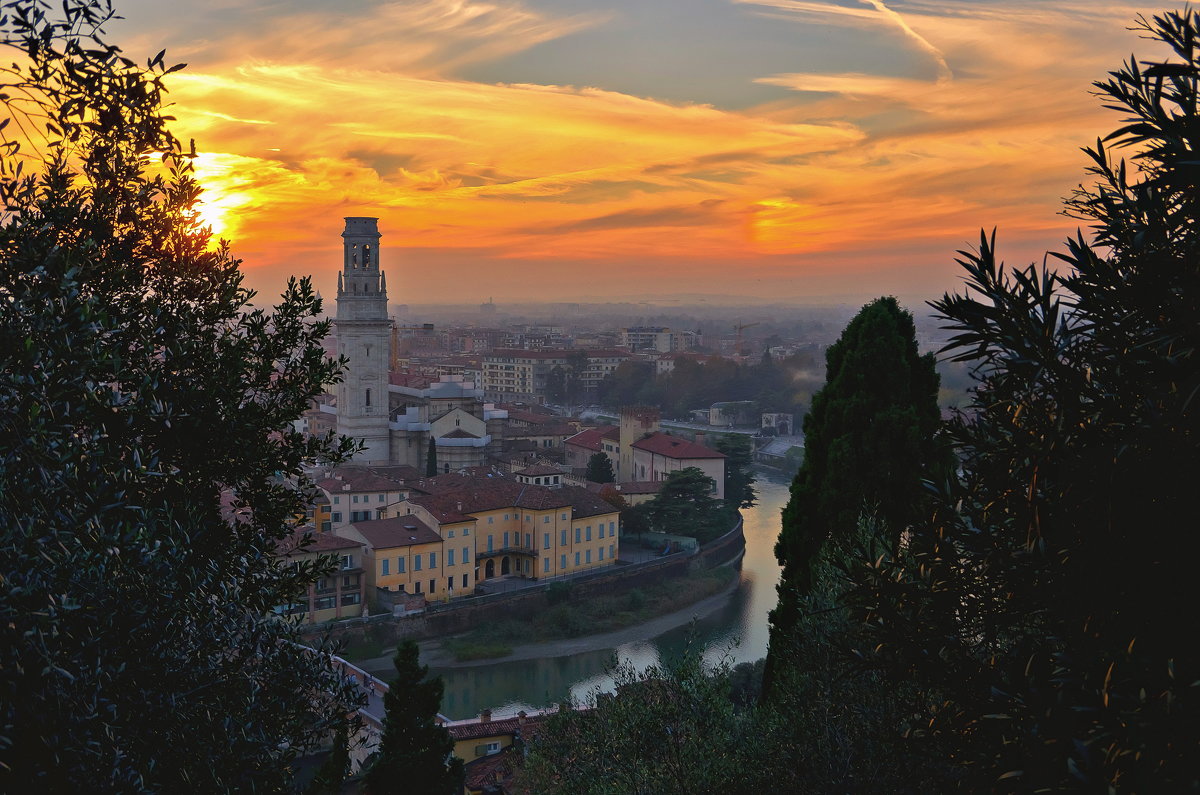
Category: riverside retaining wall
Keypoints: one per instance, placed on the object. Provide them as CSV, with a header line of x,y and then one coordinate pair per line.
x,y
467,613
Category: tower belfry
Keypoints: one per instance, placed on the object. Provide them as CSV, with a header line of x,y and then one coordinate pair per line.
x,y
364,338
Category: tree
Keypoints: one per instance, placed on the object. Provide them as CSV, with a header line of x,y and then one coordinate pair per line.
x,y
869,440
415,753
599,469
139,391
669,729
431,462
556,384
1036,603
577,364
685,505
739,472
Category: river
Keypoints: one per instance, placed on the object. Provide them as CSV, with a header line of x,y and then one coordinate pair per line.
x,y
737,630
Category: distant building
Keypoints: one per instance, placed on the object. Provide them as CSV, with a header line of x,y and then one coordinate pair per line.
x,y
510,374
579,449
340,594
658,338
489,308
783,424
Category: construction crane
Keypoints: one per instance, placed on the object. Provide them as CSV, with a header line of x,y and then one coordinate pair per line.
x,y
396,329
739,328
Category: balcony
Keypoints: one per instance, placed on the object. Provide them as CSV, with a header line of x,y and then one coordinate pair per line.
x,y
508,550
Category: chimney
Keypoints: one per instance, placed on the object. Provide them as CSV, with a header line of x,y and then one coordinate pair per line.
x,y
700,437
521,718
460,507
485,716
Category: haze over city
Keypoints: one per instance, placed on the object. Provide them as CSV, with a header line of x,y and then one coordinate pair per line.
x,y
730,150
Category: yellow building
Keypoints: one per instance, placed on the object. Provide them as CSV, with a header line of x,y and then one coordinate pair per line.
x,y
527,524
405,554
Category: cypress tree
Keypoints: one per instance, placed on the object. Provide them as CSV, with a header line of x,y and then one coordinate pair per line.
x,y
415,754
869,440
431,459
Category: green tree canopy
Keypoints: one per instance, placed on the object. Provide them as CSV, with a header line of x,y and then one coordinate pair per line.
x,y
139,391
685,505
1039,601
869,440
599,469
415,753
739,469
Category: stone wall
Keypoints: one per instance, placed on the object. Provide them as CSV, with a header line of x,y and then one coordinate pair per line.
x,y
465,614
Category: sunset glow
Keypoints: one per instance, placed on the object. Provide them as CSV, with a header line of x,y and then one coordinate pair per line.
x,y
513,143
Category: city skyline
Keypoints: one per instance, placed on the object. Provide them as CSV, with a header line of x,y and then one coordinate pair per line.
x,y
740,149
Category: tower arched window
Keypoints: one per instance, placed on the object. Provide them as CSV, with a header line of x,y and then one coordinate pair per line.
x,y
368,397
366,255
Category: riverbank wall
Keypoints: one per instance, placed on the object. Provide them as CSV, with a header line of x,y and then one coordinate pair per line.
x,y
467,613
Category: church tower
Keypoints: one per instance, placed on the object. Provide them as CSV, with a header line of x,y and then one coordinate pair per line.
x,y
364,337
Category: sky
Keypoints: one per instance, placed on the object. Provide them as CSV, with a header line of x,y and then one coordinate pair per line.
x,y
563,150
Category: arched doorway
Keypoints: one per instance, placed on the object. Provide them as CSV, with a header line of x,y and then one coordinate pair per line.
x,y
489,569
504,565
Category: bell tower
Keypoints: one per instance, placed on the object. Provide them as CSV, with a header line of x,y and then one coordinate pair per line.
x,y
364,338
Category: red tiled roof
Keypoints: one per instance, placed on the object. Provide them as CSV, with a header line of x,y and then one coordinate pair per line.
x,y
674,447
455,498
358,479
399,531
320,543
590,438
488,771
539,469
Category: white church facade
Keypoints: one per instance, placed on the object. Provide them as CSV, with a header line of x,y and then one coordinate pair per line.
x,y
393,422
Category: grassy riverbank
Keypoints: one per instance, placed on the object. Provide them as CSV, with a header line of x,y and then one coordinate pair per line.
x,y
573,618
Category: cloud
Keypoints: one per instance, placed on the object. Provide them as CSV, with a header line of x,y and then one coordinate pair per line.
x,y
872,174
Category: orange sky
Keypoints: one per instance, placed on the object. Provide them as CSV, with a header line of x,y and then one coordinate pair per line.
x,y
569,150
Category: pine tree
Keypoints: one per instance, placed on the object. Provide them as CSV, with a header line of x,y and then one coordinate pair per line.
x,y
599,469
739,472
415,754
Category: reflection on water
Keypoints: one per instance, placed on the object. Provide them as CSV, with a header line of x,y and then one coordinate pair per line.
x,y
737,630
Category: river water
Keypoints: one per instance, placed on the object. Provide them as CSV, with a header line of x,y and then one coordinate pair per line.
x,y
737,630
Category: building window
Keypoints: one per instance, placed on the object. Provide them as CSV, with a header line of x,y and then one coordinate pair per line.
x,y
545,540
347,561
578,534
400,565
588,558
612,529
352,598
506,517
337,500
528,541
416,562
325,603
601,553
545,565
588,533
600,527
505,538
564,516
433,560
450,534
449,557
355,499
466,555
576,558
337,516
492,519
385,565
612,550
417,586
445,469
466,532
562,537
489,542
562,561
380,498
464,581
432,586
449,583
546,520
